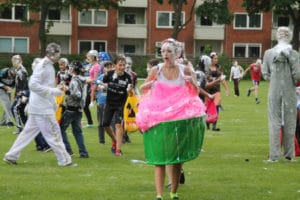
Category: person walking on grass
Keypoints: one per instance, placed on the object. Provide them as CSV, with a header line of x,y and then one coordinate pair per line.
x,y
255,69
236,73
74,104
41,110
281,69
118,84
101,100
170,93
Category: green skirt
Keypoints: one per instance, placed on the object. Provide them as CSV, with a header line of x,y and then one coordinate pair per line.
x,y
174,142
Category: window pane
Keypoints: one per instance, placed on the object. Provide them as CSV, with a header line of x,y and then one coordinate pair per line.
x,y
84,47
20,12
86,17
254,51
283,21
240,20
205,21
99,46
239,51
54,14
5,45
254,21
20,46
163,19
129,49
129,19
173,19
100,17
6,13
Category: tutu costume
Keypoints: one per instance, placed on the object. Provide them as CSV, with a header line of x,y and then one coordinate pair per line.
x,y
172,118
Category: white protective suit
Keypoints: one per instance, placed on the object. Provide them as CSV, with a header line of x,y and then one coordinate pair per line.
x,y
41,110
281,68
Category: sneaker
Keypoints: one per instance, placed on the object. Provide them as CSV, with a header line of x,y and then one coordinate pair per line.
x,y
9,161
174,196
18,131
47,149
88,126
10,124
270,161
215,129
248,93
158,198
84,156
169,186
288,159
71,165
257,101
182,177
118,152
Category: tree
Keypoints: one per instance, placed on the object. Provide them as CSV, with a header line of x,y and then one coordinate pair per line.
x,y
43,7
215,10
288,8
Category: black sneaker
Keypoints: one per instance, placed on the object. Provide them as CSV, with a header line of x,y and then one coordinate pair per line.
x,y
10,124
249,92
84,156
182,177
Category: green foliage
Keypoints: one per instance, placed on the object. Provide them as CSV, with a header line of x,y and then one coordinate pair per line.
x,y
216,11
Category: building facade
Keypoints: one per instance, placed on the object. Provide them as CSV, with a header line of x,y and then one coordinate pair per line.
x,y
137,28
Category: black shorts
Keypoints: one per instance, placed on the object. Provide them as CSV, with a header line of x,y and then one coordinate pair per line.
x,y
110,112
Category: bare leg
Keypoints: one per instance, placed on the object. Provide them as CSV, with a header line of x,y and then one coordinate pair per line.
x,y
110,132
176,169
159,175
119,135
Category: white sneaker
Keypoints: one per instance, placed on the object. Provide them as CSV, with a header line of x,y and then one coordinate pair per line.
x,y
91,104
270,161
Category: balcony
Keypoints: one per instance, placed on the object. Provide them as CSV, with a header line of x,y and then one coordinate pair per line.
x,y
209,33
134,3
137,31
61,27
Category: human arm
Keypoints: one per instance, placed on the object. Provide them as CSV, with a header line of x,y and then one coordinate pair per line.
x,y
152,77
265,70
37,79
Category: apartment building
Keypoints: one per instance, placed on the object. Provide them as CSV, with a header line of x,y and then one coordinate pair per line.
x,y
137,28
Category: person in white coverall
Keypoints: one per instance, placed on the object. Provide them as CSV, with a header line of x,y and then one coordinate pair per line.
x,y
281,68
41,111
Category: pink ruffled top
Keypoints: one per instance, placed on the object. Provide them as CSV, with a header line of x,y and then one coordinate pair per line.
x,y
166,102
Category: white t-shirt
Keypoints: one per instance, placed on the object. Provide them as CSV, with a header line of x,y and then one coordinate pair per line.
x,y
236,72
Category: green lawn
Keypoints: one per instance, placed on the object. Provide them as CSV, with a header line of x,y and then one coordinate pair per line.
x,y
221,172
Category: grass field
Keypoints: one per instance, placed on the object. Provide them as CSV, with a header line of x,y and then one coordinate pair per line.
x,y
221,172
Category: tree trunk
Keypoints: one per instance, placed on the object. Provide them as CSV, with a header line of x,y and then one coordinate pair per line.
x,y
295,40
177,21
42,27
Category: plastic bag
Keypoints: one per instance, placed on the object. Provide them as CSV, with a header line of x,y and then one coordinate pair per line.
x,y
129,113
211,111
59,101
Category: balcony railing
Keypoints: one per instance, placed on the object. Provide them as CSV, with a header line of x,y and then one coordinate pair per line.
x,y
132,31
134,3
209,33
62,27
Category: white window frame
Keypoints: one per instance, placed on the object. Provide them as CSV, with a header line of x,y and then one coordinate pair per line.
x,y
92,44
13,14
246,45
247,22
13,44
93,18
170,18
